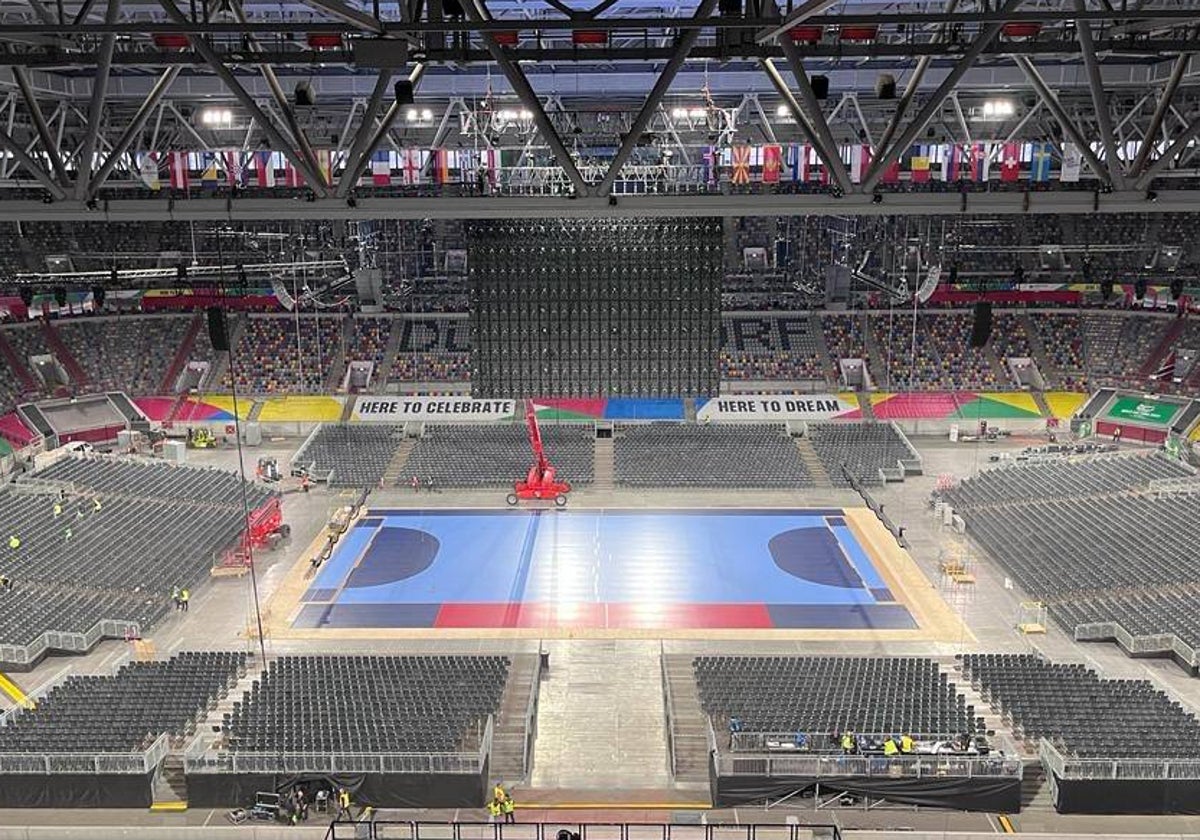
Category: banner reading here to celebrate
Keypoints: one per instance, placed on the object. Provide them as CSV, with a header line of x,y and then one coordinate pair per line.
x,y
774,407
449,409
1143,411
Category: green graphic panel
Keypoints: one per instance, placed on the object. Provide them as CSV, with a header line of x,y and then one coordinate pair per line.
x,y
1142,411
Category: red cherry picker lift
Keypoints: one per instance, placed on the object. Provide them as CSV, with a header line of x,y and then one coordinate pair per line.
x,y
541,481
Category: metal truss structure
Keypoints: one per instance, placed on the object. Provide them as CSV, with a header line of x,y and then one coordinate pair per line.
x,y
85,85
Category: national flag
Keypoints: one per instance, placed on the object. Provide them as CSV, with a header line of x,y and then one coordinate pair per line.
x,y
772,163
860,162
264,169
1039,169
235,169
797,162
1010,163
1166,368
919,167
891,172
740,171
410,160
951,162
381,169
177,163
491,162
148,171
208,170
324,165
979,162
292,176
441,166
1072,163
709,165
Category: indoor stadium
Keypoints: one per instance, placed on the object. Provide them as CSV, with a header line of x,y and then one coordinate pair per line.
x,y
614,420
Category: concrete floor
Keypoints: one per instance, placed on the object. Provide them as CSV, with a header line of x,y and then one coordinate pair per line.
x,y
600,720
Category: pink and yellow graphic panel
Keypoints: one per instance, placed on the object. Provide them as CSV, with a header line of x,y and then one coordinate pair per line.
x,y
303,409
955,405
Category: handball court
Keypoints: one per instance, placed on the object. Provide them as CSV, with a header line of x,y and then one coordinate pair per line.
x,y
796,573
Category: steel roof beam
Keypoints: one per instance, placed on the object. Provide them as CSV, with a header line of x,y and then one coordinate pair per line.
x,y
222,209
683,46
350,176
810,133
1178,69
133,129
366,128
39,123
83,167
476,10
281,143
1064,120
935,100
1099,99
1170,154
22,157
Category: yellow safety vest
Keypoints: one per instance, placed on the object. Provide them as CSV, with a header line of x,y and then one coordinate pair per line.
x,y
847,742
494,808
508,805
13,542
906,744
890,748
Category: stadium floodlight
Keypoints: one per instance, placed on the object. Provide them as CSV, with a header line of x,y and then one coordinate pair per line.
x,y
998,109
216,117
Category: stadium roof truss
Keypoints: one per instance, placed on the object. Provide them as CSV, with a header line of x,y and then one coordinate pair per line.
x,y
85,85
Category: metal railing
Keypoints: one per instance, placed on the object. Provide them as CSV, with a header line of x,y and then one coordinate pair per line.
x,y
816,766
668,709
1131,769
106,628
132,763
531,709
1157,643
395,830
785,741
199,758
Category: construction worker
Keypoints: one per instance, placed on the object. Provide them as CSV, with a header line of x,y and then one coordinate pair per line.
x,y
847,742
416,484
67,534
57,509
508,807
343,804
494,810
175,597
14,542
498,792
304,482
906,744
6,584
184,597
890,750
96,505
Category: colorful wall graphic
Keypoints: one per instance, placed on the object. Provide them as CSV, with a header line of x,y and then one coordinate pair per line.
x,y
959,405
301,409
1149,412
208,408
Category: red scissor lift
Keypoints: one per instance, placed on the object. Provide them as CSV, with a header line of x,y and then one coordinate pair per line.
x,y
541,482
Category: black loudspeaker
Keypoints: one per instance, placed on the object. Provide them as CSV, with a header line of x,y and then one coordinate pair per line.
x,y
820,86
218,333
452,9
730,8
981,327
404,92
885,86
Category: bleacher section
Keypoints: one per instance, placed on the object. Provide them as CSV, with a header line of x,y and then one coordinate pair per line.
x,y
1081,714
833,694
129,353
285,355
350,456
83,574
496,456
126,712
368,704
864,450
707,456
1091,538
771,348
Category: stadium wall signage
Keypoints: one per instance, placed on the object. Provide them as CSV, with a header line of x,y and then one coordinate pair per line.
x,y
454,409
774,407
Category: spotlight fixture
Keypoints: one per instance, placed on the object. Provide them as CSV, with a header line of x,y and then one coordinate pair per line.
x,y
216,117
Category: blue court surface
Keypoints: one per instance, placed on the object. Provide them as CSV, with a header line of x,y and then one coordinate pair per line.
x,y
601,569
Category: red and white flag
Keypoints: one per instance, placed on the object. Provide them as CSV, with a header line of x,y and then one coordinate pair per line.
x,y
292,176
178,165
264,169
1010,162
